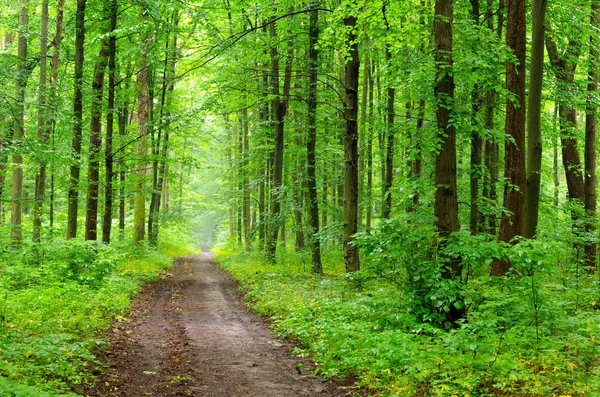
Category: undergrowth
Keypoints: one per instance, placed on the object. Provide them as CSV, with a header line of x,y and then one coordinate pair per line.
x,y
531,334
56,299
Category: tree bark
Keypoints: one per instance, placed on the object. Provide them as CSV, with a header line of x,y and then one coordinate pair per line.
x,y
512,225
534,120
311,143
139,198
351,253
40,178
446,202
108,154
476,143
91,218
73,205
279,109
389,151
18,131
565,66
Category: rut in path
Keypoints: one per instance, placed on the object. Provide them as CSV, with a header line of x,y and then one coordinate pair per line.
x,y
191,336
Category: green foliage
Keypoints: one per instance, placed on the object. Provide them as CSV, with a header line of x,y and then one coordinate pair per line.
x,y
532,333
55,300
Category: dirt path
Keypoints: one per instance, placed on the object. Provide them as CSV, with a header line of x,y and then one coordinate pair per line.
x,y
191,336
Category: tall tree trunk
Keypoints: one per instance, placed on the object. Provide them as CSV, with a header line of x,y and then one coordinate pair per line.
x,y
91,211
78,120
446,202
534,120
279,109
476,142
492,149
351,253
389,152
53,100
369,134
40,178
245,180
512,224
108,155
311,142
139,198
16,232
590,141
565,66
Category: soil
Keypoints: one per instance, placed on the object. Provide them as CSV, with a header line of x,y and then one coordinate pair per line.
x,y
190,335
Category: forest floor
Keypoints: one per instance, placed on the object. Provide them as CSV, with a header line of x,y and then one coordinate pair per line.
x,y
190,335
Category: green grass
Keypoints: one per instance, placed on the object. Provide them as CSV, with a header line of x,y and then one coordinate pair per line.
x,y
55,302
363,326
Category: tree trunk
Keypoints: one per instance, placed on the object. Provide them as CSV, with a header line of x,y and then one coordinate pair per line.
x,y
476,143
492,149
512,224
446,202
40,178
565,66
389,152
534,120
351,253
279,109
91,219
311,142
78,120
16,232
51,122
108,155
139,198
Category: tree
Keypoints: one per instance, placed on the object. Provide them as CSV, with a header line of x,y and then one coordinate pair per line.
x,y
311,143
352,66
77,120
18,130
143,102
512,222
534,123
91,223
40,178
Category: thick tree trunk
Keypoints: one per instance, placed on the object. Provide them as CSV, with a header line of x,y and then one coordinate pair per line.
x,y
16,233
369,135
351,253
512,223
311,142
40,178
73,207
534,120
446,202
91,211
108,155
492,149
279,109
565,66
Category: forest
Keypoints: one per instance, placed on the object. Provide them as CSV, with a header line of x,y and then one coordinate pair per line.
x,y
407,189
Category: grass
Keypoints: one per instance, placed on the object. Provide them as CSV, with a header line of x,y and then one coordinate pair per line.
x,y
362,326
55,302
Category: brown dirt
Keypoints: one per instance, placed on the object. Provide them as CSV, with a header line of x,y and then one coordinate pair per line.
x,y
189,335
